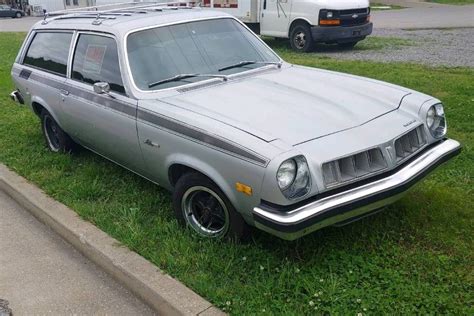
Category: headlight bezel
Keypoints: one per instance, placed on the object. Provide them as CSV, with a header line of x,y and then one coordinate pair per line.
x,y
301,182
435,120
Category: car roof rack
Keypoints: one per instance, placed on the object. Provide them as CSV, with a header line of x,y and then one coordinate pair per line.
x,y
104,12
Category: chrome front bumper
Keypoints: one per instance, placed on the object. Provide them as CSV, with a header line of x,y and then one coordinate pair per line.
x,y
354,202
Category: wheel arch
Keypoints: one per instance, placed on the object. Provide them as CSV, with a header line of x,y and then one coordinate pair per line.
x,y
178,166
297,21
38,104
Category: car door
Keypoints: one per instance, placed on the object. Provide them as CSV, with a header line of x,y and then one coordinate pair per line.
x,y
275,17
104,123
3,11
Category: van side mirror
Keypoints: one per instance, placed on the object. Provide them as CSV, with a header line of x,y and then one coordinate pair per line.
x,y
101,88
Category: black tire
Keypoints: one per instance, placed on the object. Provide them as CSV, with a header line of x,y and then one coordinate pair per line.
x,y
347,45
194,193
301,39
18,15
56,139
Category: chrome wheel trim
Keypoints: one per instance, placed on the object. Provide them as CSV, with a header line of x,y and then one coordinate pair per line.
x,y
300,39
206,222
51,133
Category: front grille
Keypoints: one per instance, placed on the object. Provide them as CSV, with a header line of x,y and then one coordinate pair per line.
x,y
352,17
353,167
354,22
408,144
353,11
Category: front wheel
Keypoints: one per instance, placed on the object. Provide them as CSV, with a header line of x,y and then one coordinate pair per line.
x,y
199,204
301,38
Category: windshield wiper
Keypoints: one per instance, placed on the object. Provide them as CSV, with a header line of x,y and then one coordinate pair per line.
x,y
184,76
251,62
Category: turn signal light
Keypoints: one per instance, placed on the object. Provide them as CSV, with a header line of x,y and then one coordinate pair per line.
x,y
240,187
330,22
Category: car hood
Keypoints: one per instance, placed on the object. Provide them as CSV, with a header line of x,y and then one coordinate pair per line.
x,y
294,104
343,4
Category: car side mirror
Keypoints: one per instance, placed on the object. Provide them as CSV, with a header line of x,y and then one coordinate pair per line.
x,y
101,88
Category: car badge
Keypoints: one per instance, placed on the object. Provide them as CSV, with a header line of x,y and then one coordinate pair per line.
x,y
355,16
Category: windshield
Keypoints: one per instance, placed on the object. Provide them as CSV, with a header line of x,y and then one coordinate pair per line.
x,y
203,48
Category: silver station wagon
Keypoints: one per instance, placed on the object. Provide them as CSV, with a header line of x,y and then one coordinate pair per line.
x,y
194,101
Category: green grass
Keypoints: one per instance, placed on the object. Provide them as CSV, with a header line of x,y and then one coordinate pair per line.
x,y
415,258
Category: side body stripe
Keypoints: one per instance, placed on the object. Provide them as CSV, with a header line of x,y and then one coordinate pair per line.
x,y
200,136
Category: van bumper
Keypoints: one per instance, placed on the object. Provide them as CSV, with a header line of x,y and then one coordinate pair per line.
x,y
341,34
356,202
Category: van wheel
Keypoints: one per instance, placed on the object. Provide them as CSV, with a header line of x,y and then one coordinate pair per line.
x,y
56,139
199,204
301,38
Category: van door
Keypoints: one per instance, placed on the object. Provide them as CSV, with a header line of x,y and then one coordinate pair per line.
x,y
275,17
105,123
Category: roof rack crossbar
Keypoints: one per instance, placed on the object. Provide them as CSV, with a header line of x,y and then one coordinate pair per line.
x,y
132,5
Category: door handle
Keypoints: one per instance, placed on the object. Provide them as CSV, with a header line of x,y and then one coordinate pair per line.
x,y
65,92
151,143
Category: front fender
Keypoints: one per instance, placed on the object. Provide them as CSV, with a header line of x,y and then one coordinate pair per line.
x,y
226,171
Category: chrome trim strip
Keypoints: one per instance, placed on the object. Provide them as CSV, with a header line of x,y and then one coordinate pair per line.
x,y
199,135
403,176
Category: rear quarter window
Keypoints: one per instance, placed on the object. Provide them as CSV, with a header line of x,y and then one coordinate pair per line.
x,y
49,51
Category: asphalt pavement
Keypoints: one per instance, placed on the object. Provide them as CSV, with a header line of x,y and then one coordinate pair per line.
x,y
42,274
17,25
445,16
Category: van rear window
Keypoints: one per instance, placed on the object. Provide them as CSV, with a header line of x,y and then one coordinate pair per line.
x,y
49,51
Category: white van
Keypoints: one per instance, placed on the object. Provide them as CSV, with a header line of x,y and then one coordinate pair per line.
x,y
304,22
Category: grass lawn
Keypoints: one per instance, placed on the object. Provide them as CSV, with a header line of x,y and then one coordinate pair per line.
x,y
416,257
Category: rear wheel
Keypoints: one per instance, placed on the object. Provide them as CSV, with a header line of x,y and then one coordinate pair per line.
x,y
56,139
301,38
18,15
201,205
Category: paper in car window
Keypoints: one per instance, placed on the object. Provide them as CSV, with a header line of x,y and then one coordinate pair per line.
x,y
94,58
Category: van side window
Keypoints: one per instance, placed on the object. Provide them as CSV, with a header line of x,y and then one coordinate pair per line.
x,y
96,60
49,51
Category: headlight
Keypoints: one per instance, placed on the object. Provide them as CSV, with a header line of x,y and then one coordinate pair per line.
x,y
436,121
293,177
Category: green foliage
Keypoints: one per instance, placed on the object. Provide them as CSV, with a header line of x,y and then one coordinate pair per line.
x,y
416,257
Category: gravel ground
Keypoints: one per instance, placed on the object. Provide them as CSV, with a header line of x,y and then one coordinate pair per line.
x,y
433,47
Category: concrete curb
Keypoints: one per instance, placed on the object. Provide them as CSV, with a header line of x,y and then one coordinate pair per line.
x,y
164,294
